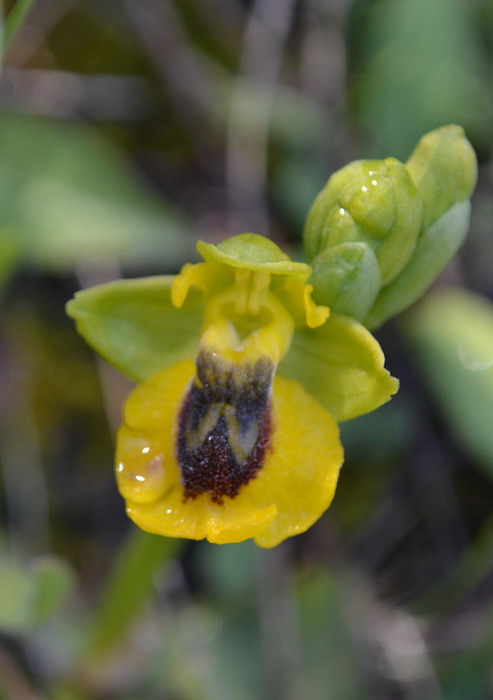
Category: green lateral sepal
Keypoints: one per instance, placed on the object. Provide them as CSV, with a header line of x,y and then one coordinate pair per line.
x,y
341,364
134,325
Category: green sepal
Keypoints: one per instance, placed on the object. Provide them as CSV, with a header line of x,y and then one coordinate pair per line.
x,y
134,325
252,252
369,201
436,247
443,167
341,364
346,278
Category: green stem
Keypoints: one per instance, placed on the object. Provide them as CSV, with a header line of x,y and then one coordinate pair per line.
x,y
129,587
15,20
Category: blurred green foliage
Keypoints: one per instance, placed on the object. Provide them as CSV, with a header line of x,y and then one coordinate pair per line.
x,y
453,335
126,131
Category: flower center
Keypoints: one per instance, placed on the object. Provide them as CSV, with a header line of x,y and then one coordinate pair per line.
x,y
224,426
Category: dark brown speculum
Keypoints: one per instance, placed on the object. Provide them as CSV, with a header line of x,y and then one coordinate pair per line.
x,y
225,426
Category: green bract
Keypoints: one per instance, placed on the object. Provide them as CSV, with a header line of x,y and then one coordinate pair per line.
x,y
380,232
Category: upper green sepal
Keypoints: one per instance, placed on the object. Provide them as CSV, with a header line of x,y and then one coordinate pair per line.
x,y
252,252
134,325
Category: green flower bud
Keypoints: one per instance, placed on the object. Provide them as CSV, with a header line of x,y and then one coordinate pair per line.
x,y
347,279
369,201
444,169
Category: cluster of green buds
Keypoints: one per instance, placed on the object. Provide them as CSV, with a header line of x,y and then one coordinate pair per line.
x,y
381,231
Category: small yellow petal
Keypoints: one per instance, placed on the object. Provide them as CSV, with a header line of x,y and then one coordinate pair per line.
x,y
208,277
296,295
315,315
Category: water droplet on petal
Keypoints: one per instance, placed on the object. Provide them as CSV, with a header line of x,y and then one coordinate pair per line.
x,y
141,473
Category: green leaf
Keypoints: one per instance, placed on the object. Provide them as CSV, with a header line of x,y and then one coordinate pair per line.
x,y
55,580
17,591
452,333
134,325
341,364
10,252
71,196
30,594
436,247
417,64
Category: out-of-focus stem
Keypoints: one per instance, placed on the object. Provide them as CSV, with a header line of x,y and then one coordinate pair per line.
x,y
128,588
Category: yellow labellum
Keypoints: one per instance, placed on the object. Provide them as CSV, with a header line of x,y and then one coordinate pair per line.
x,y
293,487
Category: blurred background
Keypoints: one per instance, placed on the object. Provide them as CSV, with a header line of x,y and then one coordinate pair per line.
x,y
129,129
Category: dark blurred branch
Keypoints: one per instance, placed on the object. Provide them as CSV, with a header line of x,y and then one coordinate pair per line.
x,y
183,73
22,468
253,95
42,18
13,684
402,656
279,625
68,95
323,52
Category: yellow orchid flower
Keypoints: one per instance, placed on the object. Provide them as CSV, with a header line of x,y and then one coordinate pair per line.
x,y
232,431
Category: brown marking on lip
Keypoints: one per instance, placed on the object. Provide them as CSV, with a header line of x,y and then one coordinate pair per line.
x,y
224,427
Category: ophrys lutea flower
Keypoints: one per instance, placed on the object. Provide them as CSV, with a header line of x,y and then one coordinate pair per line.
x,y
232,432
